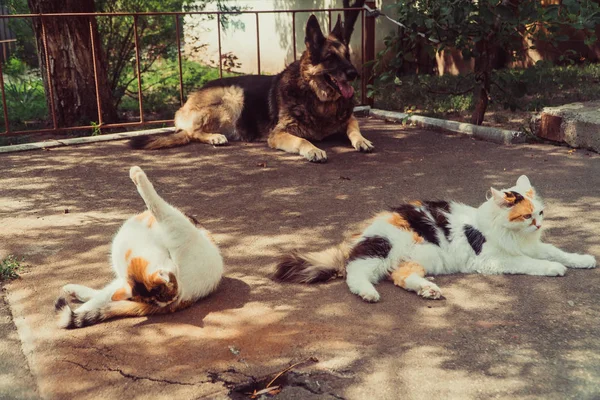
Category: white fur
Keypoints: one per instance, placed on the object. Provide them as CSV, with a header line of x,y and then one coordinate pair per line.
x,y
171,244
511,247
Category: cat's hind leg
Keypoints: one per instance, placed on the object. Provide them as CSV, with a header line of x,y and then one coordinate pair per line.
x,y
411,276
86,316
89,312
160,209
79,292
361,275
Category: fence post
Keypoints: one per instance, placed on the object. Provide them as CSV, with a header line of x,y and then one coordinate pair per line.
x,y
369,47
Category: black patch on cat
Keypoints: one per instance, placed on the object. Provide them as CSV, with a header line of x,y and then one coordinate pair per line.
x,y
60,303
475,238
419,222
438,210
139,289
192,219
89,318
371,247
518,197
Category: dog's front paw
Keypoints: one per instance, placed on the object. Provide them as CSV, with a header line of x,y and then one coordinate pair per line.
x,y
582,261
217,139
315,155
364,145
136,174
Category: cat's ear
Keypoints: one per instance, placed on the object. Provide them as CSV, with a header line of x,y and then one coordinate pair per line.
x,y
498,197
523,182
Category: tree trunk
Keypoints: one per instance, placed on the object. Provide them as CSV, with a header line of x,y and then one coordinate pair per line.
x,y
483,71
71,64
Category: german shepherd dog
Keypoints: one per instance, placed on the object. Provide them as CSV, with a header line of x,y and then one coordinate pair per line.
x,y
310,100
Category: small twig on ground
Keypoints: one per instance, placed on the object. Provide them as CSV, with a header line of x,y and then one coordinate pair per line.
x,y
271,389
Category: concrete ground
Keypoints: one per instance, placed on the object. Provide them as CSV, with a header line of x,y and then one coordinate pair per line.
x,y
500,337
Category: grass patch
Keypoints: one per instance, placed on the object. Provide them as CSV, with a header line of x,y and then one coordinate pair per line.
x,y
9,268
517,90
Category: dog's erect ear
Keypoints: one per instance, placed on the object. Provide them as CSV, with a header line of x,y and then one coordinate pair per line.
x,y
338,30
314,37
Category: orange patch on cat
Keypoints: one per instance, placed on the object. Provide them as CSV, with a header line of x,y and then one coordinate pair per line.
x,y
142,216
416,203
128,254
399,222
417,238
156,279
405,270
530,193
131,309
516,213
137,269
120,294
151,220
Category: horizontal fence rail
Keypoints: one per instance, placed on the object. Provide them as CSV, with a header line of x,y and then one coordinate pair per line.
x,y
367,53
366,43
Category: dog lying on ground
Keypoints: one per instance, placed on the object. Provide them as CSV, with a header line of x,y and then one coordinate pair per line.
x,y
310,100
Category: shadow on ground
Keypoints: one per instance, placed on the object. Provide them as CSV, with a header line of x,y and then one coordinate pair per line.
x,y
493,336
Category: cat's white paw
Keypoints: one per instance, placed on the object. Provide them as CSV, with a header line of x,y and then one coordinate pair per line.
x,y
367,292
582,261
136,174
430,291
371,297
552,268
70,290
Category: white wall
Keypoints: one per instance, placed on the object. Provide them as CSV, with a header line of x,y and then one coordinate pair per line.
x,y
276,36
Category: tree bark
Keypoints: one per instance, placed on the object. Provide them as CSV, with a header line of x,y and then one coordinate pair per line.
x,y
71,66
483,71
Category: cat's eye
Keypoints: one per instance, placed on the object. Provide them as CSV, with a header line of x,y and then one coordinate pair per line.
x,y
527,216
542,212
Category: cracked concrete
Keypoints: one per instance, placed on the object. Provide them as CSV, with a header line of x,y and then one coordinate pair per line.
x,y
501,337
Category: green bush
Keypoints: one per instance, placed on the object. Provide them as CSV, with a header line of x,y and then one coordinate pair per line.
x,y
530,89
14,67
25,100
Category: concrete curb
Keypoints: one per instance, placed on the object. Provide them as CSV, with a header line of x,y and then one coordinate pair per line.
x,y
487,133
82,140
495,135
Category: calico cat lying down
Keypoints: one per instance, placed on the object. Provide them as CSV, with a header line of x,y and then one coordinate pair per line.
x,y
163,262
502,236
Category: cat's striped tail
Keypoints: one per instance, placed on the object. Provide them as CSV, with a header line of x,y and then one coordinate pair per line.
x,y
82,317
312,267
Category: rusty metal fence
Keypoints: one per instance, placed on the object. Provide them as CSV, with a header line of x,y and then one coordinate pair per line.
x,y
367,52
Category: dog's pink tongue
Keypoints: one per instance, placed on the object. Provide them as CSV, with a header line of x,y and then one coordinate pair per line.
x,y
346,89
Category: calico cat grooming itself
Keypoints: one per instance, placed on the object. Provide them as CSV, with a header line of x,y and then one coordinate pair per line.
x,y
502,236
163,262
